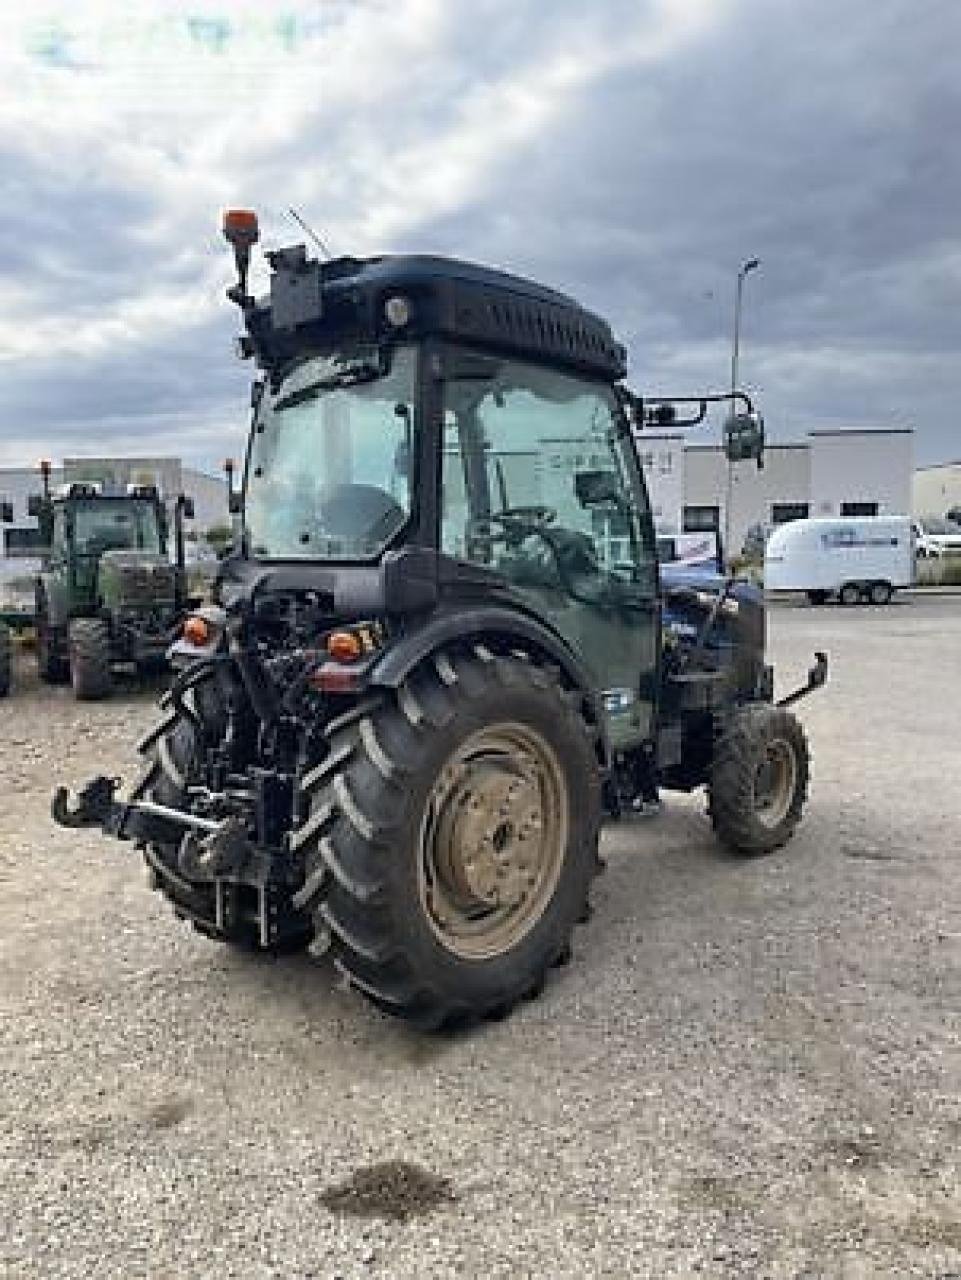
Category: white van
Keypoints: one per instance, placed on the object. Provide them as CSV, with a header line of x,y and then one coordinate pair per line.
x,y
863,558
934,537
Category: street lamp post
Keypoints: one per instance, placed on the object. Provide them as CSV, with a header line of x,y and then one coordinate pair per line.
x,y
743,271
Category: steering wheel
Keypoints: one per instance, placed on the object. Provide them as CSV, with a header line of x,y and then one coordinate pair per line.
x,y
520,523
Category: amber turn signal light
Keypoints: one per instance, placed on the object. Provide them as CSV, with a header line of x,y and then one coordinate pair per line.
x,y
240,226
344,646
197,632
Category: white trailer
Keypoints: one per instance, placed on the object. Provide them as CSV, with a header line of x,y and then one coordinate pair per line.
x,y
863,558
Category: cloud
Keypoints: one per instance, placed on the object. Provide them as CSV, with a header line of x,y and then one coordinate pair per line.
x,y
630,153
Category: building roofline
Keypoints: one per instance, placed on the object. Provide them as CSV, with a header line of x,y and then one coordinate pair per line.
x,y
862,431
937,466
719,448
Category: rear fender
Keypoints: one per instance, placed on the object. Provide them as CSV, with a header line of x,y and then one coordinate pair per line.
x,y
497,627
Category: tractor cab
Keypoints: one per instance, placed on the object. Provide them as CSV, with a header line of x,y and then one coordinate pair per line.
x,y
432,435
91,530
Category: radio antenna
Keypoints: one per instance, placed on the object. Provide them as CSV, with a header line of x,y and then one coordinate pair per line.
x,y
310,231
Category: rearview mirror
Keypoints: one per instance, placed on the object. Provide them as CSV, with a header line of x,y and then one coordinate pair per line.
x,y
6,512
34,505
596,487
187,507
744,438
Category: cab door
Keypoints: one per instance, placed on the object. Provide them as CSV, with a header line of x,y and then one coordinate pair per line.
x,y
541,486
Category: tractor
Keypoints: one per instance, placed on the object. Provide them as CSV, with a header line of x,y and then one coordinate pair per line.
x,y
10,620
107,592
442,651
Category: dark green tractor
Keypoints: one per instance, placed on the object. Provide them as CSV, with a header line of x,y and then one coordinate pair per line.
x,y
108,592
443,649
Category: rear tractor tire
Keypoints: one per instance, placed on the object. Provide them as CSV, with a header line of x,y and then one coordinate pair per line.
x,y
850,593
6,660
452,837
817,597
90,670
759,779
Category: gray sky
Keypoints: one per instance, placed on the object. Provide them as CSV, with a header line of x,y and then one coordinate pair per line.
x,y
632,153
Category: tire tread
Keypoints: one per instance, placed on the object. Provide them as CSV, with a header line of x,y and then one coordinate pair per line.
x,y
347,861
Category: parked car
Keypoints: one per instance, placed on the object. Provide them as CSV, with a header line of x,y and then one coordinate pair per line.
x,y
864,558
935,536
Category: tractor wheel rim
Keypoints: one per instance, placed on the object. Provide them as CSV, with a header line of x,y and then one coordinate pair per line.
x,y
774,782
493,840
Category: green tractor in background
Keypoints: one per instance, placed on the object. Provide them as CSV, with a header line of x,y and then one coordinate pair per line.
x,y
6,622
108,592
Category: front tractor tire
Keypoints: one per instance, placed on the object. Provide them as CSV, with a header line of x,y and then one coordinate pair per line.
x,y
452,837
759,779
90,671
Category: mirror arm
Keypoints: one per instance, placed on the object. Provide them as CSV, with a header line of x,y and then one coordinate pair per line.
x,y
647,412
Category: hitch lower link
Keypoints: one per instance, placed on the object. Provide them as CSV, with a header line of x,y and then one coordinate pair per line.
x,y
817,676
96,806
211,848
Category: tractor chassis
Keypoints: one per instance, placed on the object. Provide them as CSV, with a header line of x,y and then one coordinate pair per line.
x,y
257,878
242,879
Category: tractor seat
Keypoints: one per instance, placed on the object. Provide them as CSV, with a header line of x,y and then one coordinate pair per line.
x,y
359,511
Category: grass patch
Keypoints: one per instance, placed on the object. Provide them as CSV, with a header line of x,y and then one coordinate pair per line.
x,y
942,572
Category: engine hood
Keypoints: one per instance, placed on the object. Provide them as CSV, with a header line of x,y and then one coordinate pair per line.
x,y
135,559
135,579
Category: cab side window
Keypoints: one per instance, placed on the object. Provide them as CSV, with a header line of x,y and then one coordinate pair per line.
x,y
534,481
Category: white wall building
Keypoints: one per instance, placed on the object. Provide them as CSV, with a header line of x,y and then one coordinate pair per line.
x,y
662,460
861,469
837,473
937,489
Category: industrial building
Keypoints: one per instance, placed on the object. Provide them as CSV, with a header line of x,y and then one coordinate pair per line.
x,y
169,475
830,473
937,489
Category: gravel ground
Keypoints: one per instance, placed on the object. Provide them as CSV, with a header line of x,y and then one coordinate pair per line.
x,y
750,1068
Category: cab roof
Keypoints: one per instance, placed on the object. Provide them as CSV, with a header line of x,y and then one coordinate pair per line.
x,y
322,304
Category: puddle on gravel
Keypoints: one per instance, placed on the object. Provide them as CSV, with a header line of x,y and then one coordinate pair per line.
x,y
169,1113
395,1190
869,853
861,1152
